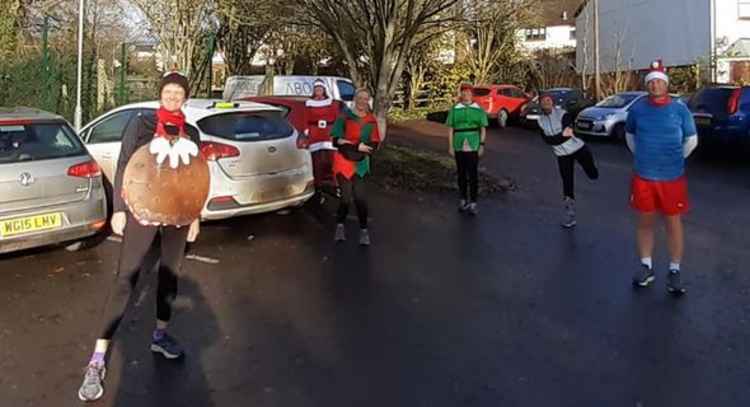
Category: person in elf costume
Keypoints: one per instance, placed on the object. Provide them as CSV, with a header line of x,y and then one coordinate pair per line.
x,y
356,135
467,122
165,136
321,112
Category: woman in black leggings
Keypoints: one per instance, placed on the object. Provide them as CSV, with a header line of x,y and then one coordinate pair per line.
x,y
166,134
556,129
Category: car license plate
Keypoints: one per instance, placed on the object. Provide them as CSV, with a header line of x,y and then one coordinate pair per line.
x,y
273,194
584,125
703,121
19,226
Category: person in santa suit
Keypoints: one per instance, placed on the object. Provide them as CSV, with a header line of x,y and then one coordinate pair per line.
x,y
321,112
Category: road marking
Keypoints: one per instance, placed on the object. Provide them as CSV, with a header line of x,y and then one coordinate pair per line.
x,y
202,259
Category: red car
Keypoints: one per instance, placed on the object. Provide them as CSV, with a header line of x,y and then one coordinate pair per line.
x,y
501,102
295,107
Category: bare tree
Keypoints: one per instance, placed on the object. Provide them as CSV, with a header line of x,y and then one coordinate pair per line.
x,y
243,28
179,26
491,26
619,61
375,37
553,68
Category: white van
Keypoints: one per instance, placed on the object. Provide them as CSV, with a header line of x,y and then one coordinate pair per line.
x,y
238,87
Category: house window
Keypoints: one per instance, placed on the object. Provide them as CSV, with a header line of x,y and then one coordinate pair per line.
x,y
573,33
536,34
743,9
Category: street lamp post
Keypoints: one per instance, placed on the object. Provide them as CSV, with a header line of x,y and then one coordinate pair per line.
x,y
77,115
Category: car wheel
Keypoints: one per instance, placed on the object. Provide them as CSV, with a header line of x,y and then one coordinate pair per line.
x,y
502,119
618,133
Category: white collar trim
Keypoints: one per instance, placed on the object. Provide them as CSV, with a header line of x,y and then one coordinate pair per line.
x,y
462,106
318,103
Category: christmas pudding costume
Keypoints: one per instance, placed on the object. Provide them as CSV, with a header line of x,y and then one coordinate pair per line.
x,y
154,193
161,184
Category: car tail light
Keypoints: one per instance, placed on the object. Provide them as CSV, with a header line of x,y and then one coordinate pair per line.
x,y
215,151
222,202
89,169
734,101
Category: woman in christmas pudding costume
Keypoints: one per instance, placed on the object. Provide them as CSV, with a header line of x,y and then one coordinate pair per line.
x,y
321,112
159,151
356,135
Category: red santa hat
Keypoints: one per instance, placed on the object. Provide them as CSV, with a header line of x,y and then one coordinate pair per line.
x,y
657,71
466,86
323,102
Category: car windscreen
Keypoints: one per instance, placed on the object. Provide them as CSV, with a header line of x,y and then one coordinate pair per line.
x,y
481,91
38,141
617,101
713,100
247,126
559,96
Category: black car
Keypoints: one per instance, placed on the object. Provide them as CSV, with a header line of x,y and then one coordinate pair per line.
x,y
572,100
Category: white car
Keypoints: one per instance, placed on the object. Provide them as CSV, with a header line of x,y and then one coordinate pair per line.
x,y
607,118
251,148
241,87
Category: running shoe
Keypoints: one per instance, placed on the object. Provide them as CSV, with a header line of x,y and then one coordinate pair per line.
x,y
643,277
92,389
340,235
463,206
472,209
570,214
364,237
674,283
167,346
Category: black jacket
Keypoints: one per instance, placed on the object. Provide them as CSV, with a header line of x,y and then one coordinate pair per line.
x,y
139,132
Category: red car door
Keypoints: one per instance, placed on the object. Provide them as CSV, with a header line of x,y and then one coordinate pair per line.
x,y
484,97
513,99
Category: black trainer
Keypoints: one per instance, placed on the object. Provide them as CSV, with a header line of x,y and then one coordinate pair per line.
x,y
674,283
643,277
168,347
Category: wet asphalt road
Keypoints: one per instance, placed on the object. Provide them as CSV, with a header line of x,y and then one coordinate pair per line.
x,y
503,310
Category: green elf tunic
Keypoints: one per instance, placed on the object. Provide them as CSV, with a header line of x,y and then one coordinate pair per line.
x,y
467,122
357,130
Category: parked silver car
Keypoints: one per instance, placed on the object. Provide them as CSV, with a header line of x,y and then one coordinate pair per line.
x,y
50,187
251,148
607,118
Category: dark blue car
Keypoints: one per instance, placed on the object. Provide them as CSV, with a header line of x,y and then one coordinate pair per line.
x,y
722,114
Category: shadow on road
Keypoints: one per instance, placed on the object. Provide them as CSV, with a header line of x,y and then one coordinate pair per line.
x,y
147,379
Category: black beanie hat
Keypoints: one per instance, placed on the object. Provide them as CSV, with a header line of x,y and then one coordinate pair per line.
x,y
177,79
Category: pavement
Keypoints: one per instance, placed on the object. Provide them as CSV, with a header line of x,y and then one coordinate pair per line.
x,y
506,309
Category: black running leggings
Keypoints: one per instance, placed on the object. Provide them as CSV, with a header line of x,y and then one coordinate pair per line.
x,y
137,240
352,190
567,169
467,164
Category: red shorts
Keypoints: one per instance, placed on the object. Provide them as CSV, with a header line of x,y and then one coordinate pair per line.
x,y
668,197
